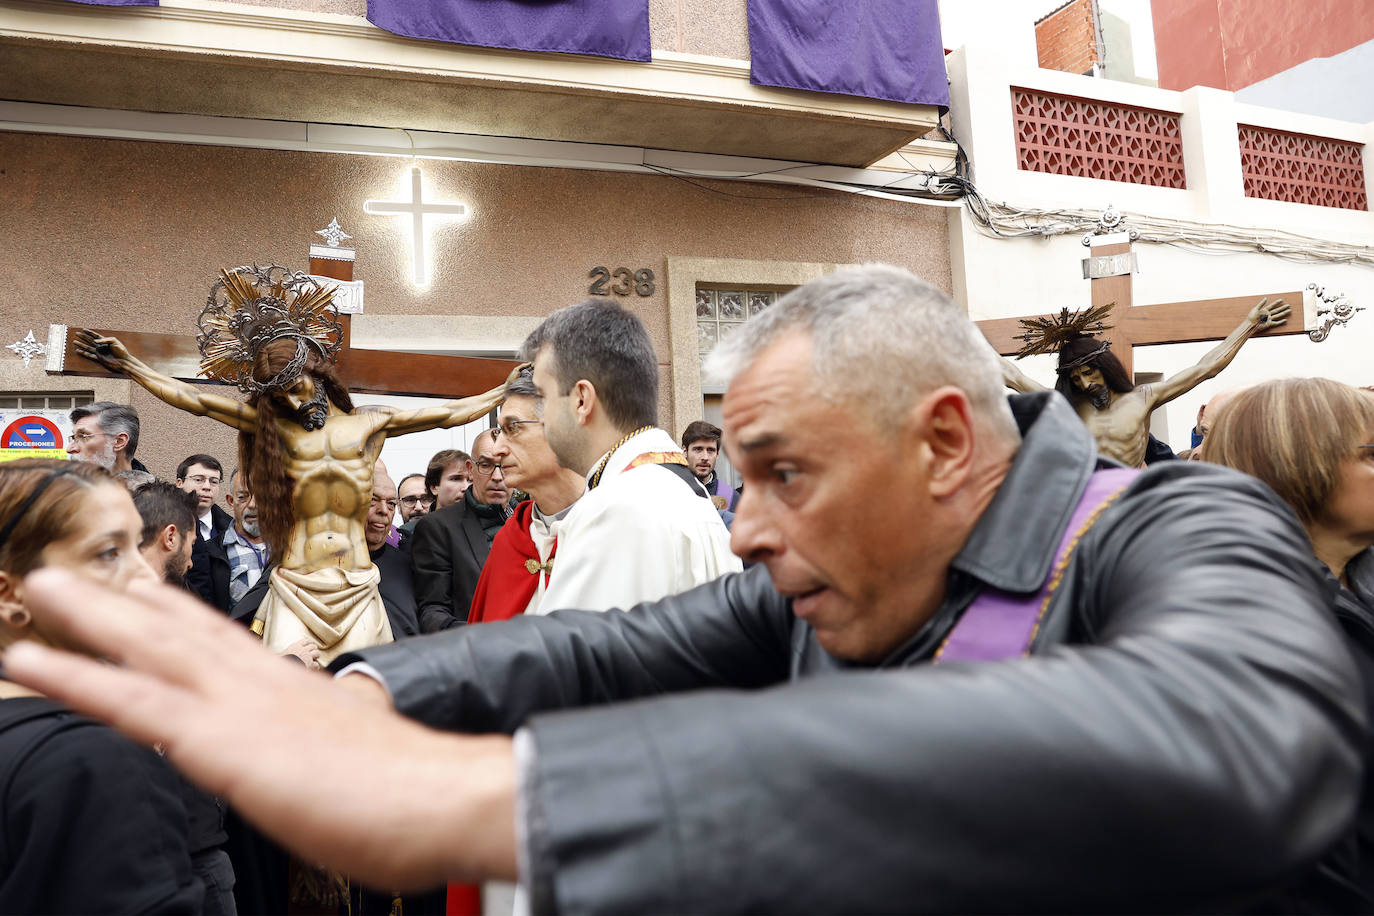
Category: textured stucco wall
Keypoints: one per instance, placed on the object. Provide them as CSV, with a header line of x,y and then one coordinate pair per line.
x,y
125,234
714,27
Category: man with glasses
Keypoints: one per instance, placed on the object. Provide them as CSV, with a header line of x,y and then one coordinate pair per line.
x,y
451,544
202,475
517,572
105,433
414,499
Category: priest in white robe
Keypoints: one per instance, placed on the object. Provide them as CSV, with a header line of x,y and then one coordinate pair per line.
x,y
645,529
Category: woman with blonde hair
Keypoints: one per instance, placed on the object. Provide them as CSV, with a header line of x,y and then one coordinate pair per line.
x,y
1312,441
89,821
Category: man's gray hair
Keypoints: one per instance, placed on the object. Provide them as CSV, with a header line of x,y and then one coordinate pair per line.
x,y
522,386
880,335
113,419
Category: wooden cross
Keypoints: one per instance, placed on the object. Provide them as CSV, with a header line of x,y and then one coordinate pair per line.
x,y
366,371
1111,264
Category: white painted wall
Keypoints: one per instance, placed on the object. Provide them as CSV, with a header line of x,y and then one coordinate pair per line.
x,y
1001,278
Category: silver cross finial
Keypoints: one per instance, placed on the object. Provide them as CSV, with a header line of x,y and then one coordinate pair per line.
x,y
332,233
27,348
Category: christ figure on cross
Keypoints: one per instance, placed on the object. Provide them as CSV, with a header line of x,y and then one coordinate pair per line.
x,y
1115,410
308,453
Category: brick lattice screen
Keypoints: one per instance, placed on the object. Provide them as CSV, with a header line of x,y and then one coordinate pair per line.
x,y
1064,135
1300,169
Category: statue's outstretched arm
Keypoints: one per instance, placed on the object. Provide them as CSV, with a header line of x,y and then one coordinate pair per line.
x,y
111,353
1263,316
1015,379
453,413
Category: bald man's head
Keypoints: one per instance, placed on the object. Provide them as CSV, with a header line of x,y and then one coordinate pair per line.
x,y
383,508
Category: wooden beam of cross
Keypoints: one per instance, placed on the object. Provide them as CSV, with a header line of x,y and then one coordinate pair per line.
x,y
365,371
1146,325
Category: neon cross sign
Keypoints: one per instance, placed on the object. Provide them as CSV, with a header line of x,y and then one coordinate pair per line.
x,y
417,209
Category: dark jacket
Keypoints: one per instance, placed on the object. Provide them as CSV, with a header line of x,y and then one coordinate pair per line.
x,y
209,576
447,551
1185,736
398,594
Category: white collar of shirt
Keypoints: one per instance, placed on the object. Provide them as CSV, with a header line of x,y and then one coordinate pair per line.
x,y
206,524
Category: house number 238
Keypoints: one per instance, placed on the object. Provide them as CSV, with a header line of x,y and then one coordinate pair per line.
x,y
640,282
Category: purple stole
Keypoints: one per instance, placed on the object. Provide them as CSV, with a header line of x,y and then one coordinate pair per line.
x,y
1000,625
722,489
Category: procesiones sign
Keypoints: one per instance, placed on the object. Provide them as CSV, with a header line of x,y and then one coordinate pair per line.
x,y
33,434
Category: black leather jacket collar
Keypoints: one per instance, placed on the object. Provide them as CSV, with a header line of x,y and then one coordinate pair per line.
x,y
1033,505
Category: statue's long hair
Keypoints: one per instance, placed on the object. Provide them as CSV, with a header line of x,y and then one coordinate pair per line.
x,y
260,453
1113,373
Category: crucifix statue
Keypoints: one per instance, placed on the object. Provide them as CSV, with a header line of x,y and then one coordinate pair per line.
x,y
1115,409
1095,373
307,452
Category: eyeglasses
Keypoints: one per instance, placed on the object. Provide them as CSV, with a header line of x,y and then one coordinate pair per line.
x,y
84,437
412,500
485,467
201,480
513,428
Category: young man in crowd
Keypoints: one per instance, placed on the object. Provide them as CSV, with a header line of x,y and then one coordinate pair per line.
x,y
701,443
203,475
169,529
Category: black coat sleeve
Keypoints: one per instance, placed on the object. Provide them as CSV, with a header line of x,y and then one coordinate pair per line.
x,y
732,631
1197,747
96,824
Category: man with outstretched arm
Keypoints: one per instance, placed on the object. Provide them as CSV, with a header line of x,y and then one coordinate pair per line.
x,y
1175,725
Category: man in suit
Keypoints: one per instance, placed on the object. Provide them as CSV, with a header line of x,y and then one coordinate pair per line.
x,y
451,544
202,476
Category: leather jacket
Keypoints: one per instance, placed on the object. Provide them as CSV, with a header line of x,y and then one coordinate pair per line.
x,y
1186,734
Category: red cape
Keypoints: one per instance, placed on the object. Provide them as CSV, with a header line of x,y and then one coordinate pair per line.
x,y
511,573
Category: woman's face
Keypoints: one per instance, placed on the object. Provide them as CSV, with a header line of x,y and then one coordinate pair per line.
x,y
1350,511
104,546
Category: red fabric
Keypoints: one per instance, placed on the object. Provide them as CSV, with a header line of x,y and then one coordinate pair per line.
x,y
506,585
464,900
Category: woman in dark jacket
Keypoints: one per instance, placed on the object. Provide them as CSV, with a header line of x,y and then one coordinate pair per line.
x,y
1312,442
89,821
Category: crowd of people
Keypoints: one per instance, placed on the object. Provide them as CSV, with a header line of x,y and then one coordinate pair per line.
x,y
1025,679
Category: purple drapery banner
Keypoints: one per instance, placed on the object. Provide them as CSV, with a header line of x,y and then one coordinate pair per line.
x,y
116,2
605,28
879,49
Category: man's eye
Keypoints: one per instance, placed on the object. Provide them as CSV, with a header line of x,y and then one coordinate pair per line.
x,y
108,556
784,476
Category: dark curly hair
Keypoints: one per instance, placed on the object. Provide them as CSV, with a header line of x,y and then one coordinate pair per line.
x,y
260,456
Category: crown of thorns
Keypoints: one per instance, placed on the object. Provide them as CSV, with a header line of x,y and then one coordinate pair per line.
x,y
1048,335
249,307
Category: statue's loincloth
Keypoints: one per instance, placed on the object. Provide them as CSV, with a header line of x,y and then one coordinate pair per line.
x,y
340,609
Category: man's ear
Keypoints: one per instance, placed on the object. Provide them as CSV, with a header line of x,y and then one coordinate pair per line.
x,y
121,441
943,420
584,400
170,538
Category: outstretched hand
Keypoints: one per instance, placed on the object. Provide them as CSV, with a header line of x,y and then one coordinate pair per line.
x,y
339,780
1269,315
515,373
110,352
